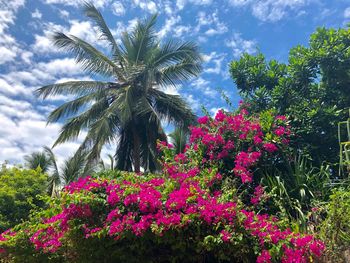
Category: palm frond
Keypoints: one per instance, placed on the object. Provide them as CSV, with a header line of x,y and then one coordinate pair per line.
x,y
179,138
177,73
70,108
95,15
140,41
171,108
72,128
91,11
92,60
73,167
173,52
54,183
38,159
78,88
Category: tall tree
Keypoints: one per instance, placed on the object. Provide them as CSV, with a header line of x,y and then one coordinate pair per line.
x,y
313,89
129,108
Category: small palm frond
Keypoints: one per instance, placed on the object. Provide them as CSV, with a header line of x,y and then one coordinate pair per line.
x,y
173,52
92,60
179,138
71,107
95,15
72,128
73,168
78,88
55,178
171,108
141,40
178,73
91,12
38,159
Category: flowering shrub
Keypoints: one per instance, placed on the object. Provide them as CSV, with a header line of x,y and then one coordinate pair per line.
x,y
187,214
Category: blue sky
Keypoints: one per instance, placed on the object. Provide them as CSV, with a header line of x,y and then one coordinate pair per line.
x,y
223,29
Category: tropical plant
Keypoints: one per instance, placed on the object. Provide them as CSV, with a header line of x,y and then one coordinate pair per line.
x,y
19,190
38,159
179,138
335,228
295,187
73,168
129,109
312,89
187,214
344,145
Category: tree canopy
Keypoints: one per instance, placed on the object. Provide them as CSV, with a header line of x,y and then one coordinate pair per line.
x,y
313,89
128,109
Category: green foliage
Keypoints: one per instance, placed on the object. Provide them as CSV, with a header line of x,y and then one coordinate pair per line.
x,y
179,139
344,143
19,193
129,110
335,229
294,188
38,159
312,89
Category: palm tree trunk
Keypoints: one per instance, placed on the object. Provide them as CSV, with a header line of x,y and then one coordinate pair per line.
x,y
136,152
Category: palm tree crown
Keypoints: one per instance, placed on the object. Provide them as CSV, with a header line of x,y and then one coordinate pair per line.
x,y
129,109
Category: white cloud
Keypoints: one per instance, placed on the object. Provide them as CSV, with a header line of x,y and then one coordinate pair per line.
x,y
148,6
180,4
37,14
193,102
59,67
179,31
81,29
347,13
203,85
240,2
211,23
64,14
6,54
13,88
214,63
10,49
118,8
271,10
76,3
240,45
169,25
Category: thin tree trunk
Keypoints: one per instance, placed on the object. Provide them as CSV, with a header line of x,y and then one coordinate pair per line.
x,y
136,152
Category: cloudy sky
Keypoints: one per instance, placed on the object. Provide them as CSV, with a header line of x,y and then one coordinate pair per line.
x,y
224,29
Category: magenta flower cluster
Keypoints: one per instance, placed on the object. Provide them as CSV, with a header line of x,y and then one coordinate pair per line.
x,y
184,196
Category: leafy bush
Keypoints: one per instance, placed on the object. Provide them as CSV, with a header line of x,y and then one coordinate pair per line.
x,y
335,229
205,207
19,190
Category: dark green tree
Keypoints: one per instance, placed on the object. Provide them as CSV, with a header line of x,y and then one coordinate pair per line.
x,y
313,89
127,110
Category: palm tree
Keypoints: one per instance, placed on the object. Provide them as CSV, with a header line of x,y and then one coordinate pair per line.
x,y
127,110
73,168
38,159
179,138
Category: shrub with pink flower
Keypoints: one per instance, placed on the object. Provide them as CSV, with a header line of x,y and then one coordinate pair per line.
x,y
186,214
